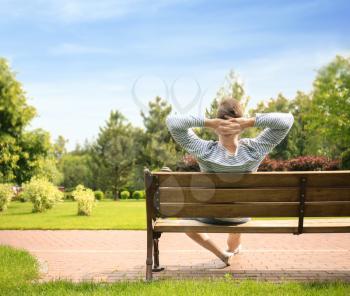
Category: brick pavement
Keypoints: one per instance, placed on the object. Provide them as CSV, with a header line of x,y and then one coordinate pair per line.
x,y
112,255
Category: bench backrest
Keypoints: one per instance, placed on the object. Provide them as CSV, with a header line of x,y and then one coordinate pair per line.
x,y
261,194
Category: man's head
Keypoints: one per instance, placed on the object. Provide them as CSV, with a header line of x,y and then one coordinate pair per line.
x,y
229,107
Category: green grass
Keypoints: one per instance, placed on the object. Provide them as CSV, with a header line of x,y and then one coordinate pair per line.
x,y
16,266
19,271
107,214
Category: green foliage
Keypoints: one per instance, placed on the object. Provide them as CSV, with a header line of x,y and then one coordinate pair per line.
x,y
138,194
47,168
125,194
22,198
22,153
85,198
157,147
9,156
18,267
99,195
113,153
42,193
345,159
330,110
59,147
109,194
6,194
15,113
35,147
76,169
143,194
68,195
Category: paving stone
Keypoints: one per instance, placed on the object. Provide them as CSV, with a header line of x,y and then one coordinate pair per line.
x,y
111,255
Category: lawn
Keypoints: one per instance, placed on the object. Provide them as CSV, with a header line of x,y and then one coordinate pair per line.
x,y
107,214
19,274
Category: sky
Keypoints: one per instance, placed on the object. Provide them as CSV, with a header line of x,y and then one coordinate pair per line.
x,y
80,59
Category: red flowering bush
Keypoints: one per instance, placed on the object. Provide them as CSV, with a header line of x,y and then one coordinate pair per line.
x,y
313,163
302,163
188,164
269,165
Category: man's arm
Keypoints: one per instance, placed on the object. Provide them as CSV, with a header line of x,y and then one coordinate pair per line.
x,y
180,127
276,126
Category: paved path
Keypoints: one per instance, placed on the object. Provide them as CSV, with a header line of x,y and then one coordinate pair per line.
x,y
116,255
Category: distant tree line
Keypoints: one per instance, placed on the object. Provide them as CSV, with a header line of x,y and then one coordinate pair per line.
x,y
116,159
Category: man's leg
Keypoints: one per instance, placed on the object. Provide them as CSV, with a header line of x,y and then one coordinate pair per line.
x,y
205,241
233,241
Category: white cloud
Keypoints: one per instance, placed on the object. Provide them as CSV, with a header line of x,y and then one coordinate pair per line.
x,y
70,11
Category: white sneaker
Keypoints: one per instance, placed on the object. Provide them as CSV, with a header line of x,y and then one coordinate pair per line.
x,y
236,251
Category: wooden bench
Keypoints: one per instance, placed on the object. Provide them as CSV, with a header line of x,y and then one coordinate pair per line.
x,y
262,194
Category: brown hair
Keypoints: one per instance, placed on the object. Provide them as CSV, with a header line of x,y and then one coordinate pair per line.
x,y
230,107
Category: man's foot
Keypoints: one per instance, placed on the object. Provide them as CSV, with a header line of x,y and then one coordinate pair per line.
x,y
235,251
226,258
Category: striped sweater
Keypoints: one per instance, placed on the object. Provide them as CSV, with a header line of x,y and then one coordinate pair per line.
x,y
213,157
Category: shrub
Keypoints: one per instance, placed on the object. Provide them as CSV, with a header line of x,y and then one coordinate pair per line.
x,y
109,194
42,193
188,164
143,194
125,194
137,194
21,197
302,163
268,165
68,195
6,194
312,163
345,159
99,195
85,198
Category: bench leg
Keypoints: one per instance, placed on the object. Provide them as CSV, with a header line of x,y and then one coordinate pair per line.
x,y
149,260
156,266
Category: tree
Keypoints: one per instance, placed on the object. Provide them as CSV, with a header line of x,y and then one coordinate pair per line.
x,y
159,149
22,153
330,110
76,170
15,113
233,87
305,142
46,168
35,146
9,156
60,147
113,153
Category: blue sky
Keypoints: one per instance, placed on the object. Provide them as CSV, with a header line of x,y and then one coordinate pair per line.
x,y
79,59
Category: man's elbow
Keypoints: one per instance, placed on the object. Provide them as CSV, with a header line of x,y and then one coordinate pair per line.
x,y
289,121
170,122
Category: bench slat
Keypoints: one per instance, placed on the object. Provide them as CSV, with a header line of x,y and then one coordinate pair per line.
x,y
251,209
256,226
290,194
252,180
